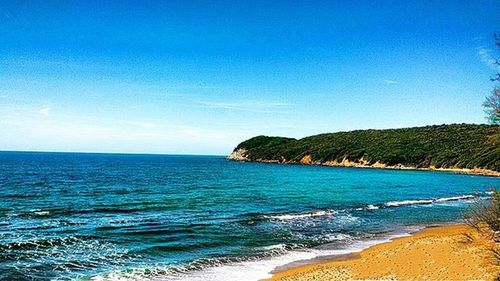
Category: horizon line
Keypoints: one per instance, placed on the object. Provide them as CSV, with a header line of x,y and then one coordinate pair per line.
x,y
116,153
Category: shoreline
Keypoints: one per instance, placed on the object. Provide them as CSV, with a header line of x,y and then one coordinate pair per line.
x,y
433,253
348,252
240,156
265,267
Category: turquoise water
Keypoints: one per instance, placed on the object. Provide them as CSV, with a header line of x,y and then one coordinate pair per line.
x,y
71,216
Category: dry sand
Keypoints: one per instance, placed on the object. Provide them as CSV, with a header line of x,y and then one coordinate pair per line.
x,y
454,252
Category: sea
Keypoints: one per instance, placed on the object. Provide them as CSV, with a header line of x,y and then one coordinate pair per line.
x,y
79,216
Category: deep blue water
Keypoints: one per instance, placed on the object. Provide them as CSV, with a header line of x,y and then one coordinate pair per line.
x,y
81,216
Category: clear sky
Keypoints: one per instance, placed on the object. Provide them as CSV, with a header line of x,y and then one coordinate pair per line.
x,y
199,77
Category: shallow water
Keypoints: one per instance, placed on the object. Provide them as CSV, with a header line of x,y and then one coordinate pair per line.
x,y
72,216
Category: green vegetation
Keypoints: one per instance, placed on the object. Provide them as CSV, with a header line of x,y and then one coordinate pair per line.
x,y
492,103
485,216
441,146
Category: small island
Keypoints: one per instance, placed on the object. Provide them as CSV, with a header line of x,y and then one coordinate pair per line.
x,y
461,148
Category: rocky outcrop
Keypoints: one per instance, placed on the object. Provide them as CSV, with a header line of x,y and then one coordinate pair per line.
x,y
306,160
239,155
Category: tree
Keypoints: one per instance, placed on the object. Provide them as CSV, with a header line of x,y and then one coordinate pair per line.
x,y
492,103
492,106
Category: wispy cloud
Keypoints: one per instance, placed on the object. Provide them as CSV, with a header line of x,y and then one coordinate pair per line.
x,y
254,106
485,56
45,111
391,82
90,133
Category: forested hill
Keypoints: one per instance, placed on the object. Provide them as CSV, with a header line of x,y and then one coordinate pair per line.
x,y
457,146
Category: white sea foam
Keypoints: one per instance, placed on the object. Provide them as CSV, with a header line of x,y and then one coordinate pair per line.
x,y
259,269
303,215
324,213
39,212
455,198
336,237
407,202
428,201
275,247
252,270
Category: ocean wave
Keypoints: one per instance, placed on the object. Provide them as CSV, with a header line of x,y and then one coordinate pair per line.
x,y
456,198
279,249
40,212
369,207
43,243
58,254
331,237
217,269
243,269
275,247
270,257
428,201
293,216
407,202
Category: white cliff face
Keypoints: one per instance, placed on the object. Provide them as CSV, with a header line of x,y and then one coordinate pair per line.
x,y
238,155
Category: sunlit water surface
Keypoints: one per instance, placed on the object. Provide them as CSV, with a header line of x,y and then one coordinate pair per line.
x,y
67,216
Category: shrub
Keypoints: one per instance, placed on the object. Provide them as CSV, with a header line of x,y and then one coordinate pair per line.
x,y
485,216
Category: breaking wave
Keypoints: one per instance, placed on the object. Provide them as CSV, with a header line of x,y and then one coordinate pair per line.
x,y
428,201
243,269
369,207
293,216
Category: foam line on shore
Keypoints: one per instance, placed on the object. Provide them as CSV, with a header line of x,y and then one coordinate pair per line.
x,y
250,270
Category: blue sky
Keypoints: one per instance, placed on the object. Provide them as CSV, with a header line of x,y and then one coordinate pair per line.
x,y
198,77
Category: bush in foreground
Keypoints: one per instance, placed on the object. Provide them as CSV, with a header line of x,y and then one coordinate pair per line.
x,y
485,216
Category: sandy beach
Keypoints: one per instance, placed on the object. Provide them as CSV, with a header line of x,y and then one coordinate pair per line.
x,y
455,252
